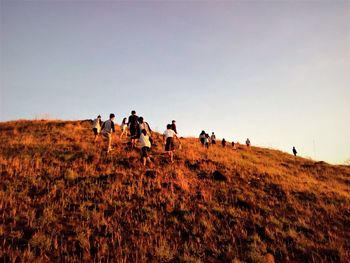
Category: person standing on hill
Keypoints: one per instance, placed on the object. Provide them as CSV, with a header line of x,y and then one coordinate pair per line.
x,y
213,138
173,126
294,151
207,140
107,130
247,142
133,128
233,145
145,126
145,147
123,127
202,138
168,139
223,143
96,126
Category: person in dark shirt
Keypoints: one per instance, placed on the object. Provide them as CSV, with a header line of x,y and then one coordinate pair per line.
x,y
294,151
202,138
133,128
107,129
223,143
173,126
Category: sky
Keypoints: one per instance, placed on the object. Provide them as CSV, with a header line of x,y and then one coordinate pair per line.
x,y
274,71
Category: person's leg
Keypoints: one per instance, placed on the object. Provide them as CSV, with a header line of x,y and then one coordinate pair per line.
x,y
109,142
171,156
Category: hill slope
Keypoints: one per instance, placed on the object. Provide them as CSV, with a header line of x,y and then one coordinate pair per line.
x,y
63,199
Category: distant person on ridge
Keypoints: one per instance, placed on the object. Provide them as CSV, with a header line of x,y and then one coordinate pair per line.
x,y
247,142
124,127
145,126
96,126
173,126
213,138
168,139
133,128
233,145
207,140
107,130
202,138
294,151
145,147
223,142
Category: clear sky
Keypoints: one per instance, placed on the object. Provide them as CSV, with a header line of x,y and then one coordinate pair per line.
x,y
277,72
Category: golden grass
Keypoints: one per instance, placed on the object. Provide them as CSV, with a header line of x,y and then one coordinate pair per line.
x,y
62,198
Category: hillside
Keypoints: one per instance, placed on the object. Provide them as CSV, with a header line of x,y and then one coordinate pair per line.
x,y
63,199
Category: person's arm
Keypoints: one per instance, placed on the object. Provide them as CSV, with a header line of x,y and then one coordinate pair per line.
x,y
149,128
103,125
164,141
112,126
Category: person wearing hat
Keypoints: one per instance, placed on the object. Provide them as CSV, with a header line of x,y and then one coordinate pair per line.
x,y
96,126
173,126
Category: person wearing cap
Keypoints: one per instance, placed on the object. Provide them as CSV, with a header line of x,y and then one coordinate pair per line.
x,y
96,126
173,126
107,130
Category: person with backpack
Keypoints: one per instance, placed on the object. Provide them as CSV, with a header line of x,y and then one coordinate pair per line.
x,y
202,137
294,151
213,138
168,139
96,126
123,127
145,144
145,126
107,129
133,128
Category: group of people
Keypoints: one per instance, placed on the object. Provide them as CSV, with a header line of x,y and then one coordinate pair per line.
x,y
140,132
207,140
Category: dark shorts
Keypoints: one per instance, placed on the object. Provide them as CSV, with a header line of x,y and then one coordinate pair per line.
x,y
144,151
169,146
213,142
202,141
134,133
95,131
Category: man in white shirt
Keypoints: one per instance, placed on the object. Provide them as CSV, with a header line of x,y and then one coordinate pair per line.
x,y
96,126
168,139
145,147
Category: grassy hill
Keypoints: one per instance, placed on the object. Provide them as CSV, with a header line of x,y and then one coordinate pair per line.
x,y
63,199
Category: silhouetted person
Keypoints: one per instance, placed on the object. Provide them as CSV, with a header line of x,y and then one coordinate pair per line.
x,y
173,126
247,142
107,130
202,137
133,128
96,126
223,143
207,140
233,145
294,151
213,138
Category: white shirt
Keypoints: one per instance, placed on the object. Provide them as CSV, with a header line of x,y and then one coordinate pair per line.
x,y
144,141
96,124
169,133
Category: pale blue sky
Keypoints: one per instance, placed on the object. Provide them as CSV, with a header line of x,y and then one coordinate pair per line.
x,y
274,71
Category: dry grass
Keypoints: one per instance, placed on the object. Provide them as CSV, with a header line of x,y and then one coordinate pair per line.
x,y
63,199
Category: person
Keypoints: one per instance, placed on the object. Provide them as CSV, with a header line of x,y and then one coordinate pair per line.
x,y
223,142
145,126
107,130
233,145
96,126
133,128
123,127
247,142
168,139
207,140
173,126
294,151
145,147
213,138
202,138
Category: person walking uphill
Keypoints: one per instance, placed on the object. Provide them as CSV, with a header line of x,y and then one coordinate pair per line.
x,y
123,127
202,137
96,126
168,139
145,126
107,130
173,126
145,147
223,143
213,138
294,151
133,128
